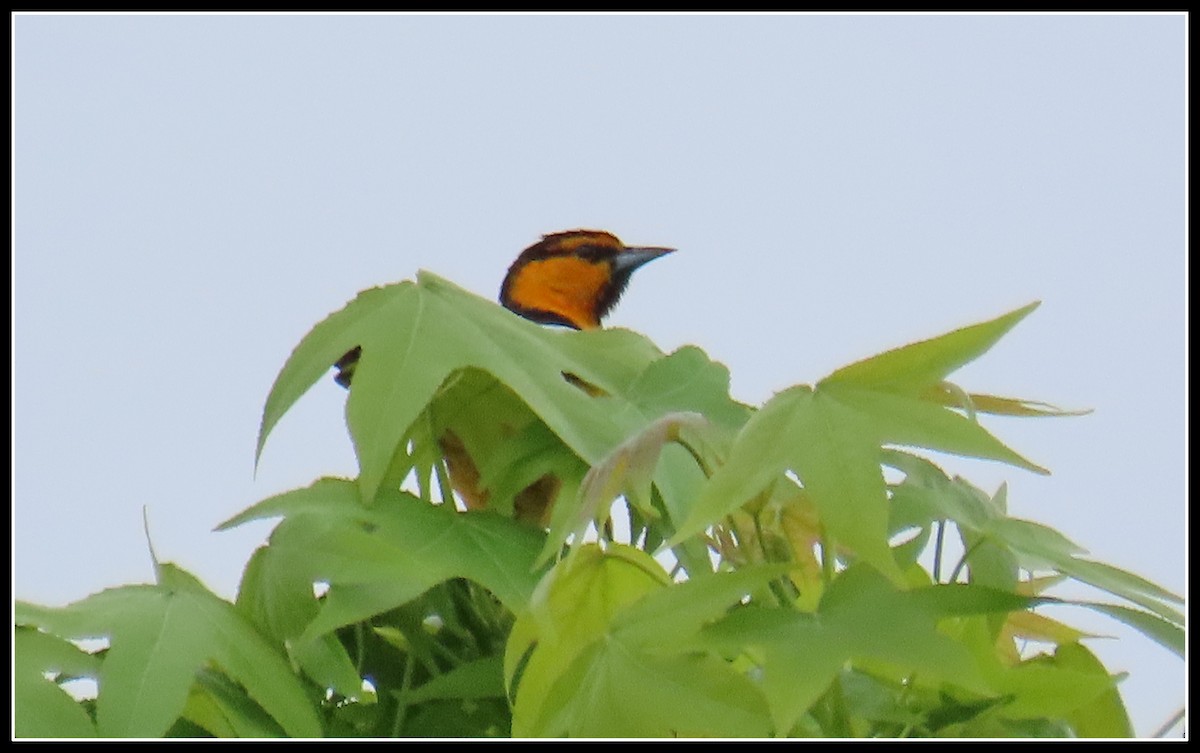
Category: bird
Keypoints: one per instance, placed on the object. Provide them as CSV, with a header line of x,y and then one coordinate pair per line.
x,y
573,279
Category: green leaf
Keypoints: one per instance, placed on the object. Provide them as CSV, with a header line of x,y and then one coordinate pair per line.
x,y
223,709
1037,687
612,691
991,562
1041,688
572,609
279,600
951,396
629,469
997,543
480,678
899,627
836,456
946,499
904,420
598,654
888,709
40,707
1106,715
687,381
414,338
378,557
959,599
799,655
832,438
323,346
438,719
1125,584
662,618
1166,634
159,637
513,463
325,495
862,618
916,367
1040,544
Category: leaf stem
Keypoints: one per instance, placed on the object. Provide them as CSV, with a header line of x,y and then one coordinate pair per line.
x,y
360,647
401,701
1168,725
700,461
837,707
779,586
937,551
962,561
828,559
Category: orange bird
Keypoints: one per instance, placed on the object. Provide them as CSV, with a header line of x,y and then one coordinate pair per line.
x,y
573,279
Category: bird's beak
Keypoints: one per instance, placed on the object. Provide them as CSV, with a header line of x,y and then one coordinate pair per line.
x,y
631,258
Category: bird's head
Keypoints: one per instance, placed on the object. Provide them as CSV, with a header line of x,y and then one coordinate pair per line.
x,y
573,278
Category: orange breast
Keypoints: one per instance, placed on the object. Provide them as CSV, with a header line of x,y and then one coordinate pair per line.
x,y
564,285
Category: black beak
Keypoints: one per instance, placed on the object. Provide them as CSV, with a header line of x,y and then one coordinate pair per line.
x,y
631,258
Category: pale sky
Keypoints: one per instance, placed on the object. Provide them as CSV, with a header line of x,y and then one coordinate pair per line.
x,y
193,193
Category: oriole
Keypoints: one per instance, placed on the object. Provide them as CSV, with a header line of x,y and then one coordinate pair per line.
x,y
573,279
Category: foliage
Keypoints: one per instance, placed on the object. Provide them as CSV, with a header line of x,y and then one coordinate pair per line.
x,y
707,569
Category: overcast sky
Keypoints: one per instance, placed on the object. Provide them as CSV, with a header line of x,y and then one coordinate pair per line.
x,y
193,193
